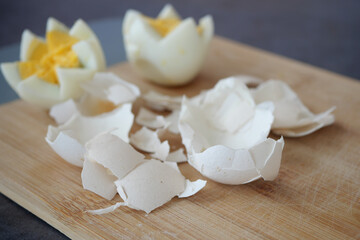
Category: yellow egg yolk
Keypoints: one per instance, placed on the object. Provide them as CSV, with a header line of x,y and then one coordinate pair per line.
x,y
46,57
165,25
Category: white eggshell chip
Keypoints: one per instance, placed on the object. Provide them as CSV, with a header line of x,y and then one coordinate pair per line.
x,y
292,117
142,184
148,141
109,87
68,140
149,119
177,156
161,102
225,134
107,159
103,93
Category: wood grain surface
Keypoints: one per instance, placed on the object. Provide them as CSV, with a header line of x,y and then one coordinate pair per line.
x,y
316,195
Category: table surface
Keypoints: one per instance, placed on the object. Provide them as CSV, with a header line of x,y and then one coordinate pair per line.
x,y
319,33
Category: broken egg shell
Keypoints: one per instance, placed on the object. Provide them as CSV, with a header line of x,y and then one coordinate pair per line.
x,y
161,102
102,94
68,140
96,178
171,60
148,141
107,159
239,166
292,117
44,94
200,130
230,155
149,119
109,87
177,156
151,185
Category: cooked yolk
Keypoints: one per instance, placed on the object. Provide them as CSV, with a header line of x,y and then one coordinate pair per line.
x,y
163,26
46,57
166,25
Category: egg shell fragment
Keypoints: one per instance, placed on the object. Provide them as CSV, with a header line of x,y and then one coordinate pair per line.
x,y
148,141
225,150
103,93
149,119
110,87
68,140
151,185
200,130
177,156
292,117
142,184
107,159
161,102
240,166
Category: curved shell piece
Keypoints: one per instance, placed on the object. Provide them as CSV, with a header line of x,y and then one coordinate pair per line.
x,y
292,117
78,130
225,134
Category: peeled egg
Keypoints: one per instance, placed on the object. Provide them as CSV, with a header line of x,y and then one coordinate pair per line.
x,y
166,50
51,70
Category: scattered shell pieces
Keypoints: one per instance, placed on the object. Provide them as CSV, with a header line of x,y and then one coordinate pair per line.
x,y
223,129
148,141
68,140
161,102
103,94
142,184
149,119
292,117
177,156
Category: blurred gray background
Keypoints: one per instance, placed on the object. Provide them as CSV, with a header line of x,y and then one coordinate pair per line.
x,y
324,33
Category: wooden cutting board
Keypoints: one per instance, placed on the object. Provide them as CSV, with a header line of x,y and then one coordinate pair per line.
x,y
316,195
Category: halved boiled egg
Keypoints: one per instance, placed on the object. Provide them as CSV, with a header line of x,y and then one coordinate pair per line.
x,y
51,70
167,50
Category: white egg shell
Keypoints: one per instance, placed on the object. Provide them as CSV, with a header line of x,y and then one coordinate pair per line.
x,y
68,140
44,94
142,184
152,184
148,141
110,87
104,89
149,119
292,117
225,115
177,156
161,102
225,134
62,112
107,159
239,166
171,60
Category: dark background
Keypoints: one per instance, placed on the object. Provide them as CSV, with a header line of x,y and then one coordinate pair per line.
x,y
324,33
